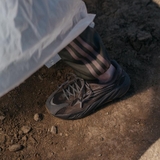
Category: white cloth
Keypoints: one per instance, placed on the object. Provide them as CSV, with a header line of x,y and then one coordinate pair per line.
x,y
34,31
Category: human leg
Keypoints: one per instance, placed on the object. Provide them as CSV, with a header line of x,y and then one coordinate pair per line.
x,y
99,80
87,55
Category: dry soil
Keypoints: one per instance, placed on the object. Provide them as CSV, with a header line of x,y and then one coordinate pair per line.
x,y
124,129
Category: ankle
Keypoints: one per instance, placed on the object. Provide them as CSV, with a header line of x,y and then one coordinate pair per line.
x,y
107,76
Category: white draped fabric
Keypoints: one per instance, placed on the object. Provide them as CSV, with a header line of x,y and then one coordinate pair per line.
x,y
34,31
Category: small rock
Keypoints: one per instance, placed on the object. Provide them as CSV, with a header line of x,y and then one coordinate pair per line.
x,y
50,155
38,117
99,155
37,156
24,138
12,141
15,147
2,118
40,77
26,129
64,148
32,140
66,135
143,36
54,130
101,139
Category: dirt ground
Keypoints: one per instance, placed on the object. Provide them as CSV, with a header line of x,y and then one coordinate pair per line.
x,y
123,130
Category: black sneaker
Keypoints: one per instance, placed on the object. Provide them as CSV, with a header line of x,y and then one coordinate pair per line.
x,y
77,98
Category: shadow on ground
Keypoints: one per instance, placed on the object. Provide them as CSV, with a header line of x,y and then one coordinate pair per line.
x,y
125,129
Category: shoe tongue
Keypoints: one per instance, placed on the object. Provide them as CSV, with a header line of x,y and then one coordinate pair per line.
x,y
79,82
